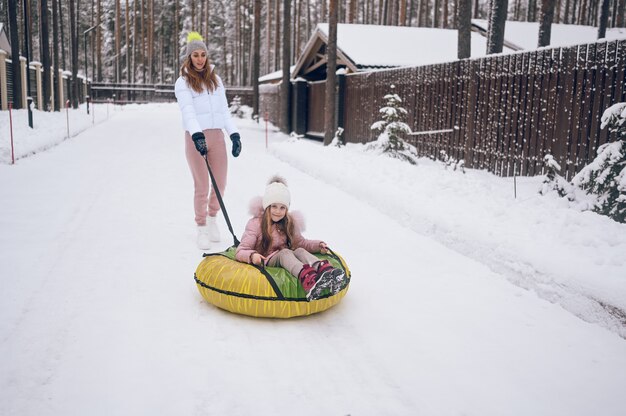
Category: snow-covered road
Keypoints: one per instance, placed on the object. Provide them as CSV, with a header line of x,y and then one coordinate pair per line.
x,y
100,314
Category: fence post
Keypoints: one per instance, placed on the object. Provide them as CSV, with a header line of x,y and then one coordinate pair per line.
x,y
61,87
4,91
23,70
67,112
11,128
52,91
340,103
38,83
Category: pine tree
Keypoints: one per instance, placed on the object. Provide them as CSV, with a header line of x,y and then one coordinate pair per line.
x,y
604,179
552,180
390,128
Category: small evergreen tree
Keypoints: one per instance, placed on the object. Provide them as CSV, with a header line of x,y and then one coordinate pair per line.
x,y
235,107
338,140
553,181
390,128
604,179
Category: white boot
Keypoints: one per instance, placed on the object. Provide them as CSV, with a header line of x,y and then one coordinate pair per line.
x,y
214,232
204,243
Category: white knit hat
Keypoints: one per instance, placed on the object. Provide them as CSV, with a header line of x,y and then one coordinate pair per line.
x,y
276,192
194,42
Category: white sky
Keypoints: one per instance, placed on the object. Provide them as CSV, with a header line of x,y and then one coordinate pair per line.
x,y
464,300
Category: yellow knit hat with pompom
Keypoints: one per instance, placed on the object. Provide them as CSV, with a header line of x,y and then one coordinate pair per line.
x,y
194,42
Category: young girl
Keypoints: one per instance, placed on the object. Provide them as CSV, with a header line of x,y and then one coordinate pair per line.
x,y
272,237
202,100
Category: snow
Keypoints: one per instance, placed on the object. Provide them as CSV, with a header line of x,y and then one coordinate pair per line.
x,y
375,45
464,299
526,34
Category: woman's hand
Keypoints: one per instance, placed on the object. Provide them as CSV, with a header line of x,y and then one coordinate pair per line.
x,y
323,248
257,259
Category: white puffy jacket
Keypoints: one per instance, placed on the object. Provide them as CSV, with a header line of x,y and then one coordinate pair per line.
x,y
204,110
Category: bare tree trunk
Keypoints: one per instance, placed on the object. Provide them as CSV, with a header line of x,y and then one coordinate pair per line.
x,y
64,63
331,76
177,34
277,36
621,13
298,29
133,68
74,43
99,41
464,22
352,12
151,40
117,40
268,36
143,41
402,18
45,53
445,14
566,12
16,78
207,15
56,105
386,12
530,12
475,15
128,49
256,40
557,15
286,82
604,19
436,16
581,15
545,22
495,36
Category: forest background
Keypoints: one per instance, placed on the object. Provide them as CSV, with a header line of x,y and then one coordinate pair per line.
x,y
140,41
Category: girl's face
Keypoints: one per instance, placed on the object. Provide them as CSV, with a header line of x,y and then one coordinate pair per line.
x,y
198,59
278,212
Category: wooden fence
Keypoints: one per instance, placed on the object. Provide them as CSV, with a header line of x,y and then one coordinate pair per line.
x,y
500,113
60,84
144,93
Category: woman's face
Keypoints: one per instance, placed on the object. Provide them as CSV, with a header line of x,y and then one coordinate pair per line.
x,y
198,59
277,212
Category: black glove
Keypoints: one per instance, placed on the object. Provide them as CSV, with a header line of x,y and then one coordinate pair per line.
x,y
236,144
198,140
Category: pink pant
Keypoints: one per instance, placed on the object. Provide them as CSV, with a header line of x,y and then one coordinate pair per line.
x,y
216,154
292,260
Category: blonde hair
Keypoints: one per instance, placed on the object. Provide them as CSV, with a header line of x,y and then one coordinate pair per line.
x,y
285,225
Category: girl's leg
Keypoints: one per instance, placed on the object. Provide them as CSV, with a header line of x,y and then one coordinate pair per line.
x,y
200,176
216,154
286,259
304,256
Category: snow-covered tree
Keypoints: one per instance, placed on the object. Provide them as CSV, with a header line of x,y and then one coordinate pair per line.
x,y
552,180
390,128
235,107
449,161
604,179
338,140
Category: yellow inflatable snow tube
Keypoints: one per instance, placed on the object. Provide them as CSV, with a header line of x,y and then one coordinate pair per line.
x,y
269,293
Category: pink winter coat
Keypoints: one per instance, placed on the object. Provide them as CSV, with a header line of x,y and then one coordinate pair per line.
x,y
251,238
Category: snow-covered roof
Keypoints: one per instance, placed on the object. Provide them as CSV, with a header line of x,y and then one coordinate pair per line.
x,y
4,39
526,34
274,76
392,46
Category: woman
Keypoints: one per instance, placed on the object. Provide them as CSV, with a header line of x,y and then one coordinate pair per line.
x,y
202,100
